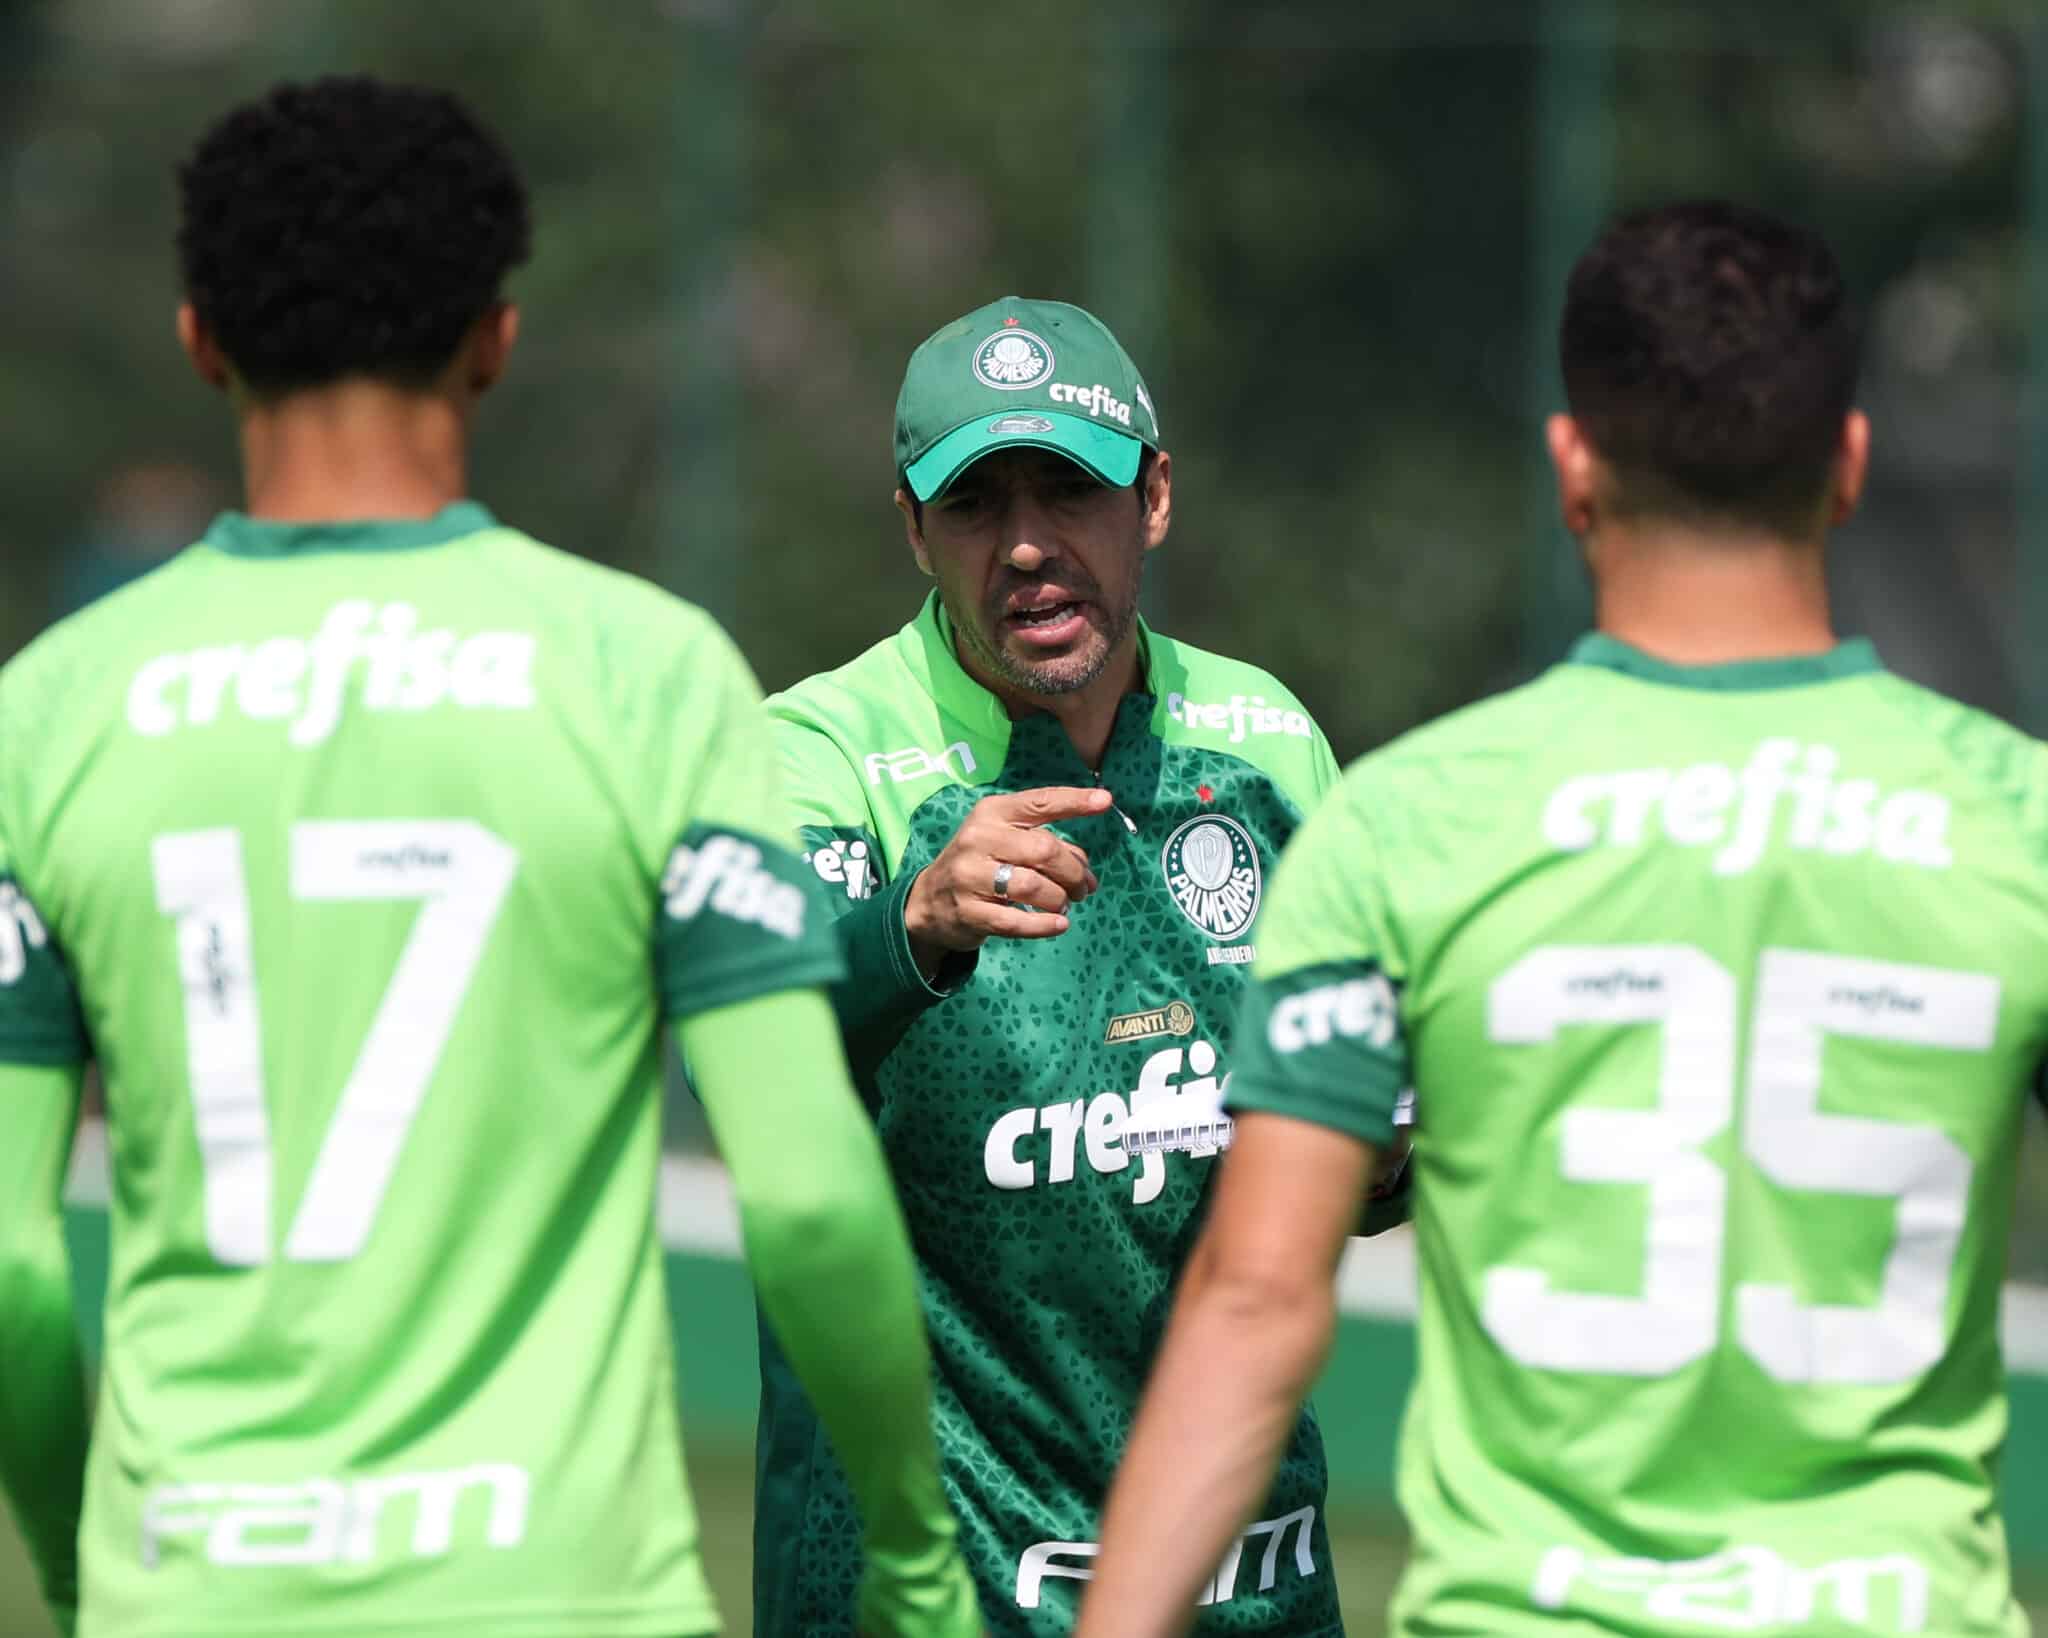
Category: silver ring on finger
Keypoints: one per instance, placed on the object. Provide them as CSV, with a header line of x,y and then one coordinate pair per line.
x,y
1002,884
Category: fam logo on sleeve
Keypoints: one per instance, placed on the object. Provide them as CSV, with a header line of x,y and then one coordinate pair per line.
x,y
915,762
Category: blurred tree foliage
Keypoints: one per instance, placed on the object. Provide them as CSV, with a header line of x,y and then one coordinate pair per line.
x,y
749,213
1319,216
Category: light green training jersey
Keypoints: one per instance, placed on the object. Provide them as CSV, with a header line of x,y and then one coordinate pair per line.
x,y
367,860
1721,989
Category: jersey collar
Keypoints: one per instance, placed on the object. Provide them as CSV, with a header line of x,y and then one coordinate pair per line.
x,y
965,697
240,535
1849,659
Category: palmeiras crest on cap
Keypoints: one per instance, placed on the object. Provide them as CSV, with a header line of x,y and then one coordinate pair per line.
x,y
1021,373
1013,359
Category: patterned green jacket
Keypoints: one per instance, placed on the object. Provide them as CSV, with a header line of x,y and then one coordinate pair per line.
x,y
1051,1111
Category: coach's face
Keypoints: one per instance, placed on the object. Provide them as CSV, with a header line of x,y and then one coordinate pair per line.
x,y
1038,564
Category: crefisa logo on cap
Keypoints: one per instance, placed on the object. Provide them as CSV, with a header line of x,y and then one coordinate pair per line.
x,y
1012,359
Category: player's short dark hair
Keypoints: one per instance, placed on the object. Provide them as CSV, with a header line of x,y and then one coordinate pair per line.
x,y
1710,355
347,227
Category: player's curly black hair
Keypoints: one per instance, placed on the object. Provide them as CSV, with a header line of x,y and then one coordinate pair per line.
x,y
347,227
1710,354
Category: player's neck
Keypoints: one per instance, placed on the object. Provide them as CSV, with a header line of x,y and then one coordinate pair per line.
x,y
1694,598
1087,714
358,449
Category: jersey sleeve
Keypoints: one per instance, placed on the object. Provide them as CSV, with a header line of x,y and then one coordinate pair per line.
x,y
1328,774
823,800
40,1021
1320,1034
884,989
43,1430
832,1264
737,916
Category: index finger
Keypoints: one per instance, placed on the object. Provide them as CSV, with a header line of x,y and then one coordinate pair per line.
x,y
1050,803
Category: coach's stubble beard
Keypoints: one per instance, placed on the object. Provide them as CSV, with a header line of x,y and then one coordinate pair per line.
x,y
1110,616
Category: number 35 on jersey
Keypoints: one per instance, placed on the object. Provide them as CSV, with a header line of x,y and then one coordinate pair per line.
x,y
1801,999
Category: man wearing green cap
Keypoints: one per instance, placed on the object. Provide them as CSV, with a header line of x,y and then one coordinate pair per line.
x,y
1045,830
368,848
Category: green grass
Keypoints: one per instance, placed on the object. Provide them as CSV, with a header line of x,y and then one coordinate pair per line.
x,y
21,1611
1368,1548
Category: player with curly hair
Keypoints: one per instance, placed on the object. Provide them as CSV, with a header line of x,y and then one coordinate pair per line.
x,y
367,847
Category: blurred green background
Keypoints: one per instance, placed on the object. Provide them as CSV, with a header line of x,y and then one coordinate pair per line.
x,y
1333,235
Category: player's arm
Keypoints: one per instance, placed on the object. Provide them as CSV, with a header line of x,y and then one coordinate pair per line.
x,y
912,941
1321,1062
1390,1190
743,955
42,1404
831,1260
43,1051
884,987
1252,1324
1389,1195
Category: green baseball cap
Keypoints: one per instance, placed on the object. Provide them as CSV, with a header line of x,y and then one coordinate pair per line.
x,y
1021,374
